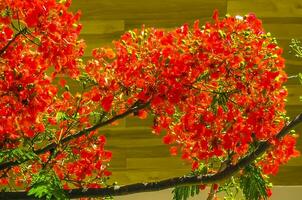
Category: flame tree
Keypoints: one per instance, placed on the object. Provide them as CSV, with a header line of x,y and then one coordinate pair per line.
x,y
216,92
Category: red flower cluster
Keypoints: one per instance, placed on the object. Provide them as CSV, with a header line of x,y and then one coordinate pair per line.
x,y
283,150
37,38
85,166
45,36
216,90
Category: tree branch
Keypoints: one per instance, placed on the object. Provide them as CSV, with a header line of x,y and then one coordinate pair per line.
x,y
21,32
168,183
211,193
52,146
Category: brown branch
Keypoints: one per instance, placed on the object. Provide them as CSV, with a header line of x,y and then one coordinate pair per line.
x,y
52,146
212,193
21,32
228,172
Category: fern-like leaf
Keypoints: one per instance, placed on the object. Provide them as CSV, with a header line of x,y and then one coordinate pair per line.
x,y
253,184
184,192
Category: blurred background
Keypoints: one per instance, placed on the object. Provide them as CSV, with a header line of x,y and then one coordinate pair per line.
x,y
138,155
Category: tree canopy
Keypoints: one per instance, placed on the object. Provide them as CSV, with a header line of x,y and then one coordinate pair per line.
x,y
215,92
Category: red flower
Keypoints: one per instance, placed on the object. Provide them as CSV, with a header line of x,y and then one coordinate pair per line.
x,y
167,139
106,103
8,32
173,151
215,186
269,192
215,15
142,114
202,186
32,18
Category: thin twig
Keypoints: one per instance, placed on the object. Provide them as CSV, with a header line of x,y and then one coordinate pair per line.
x,y
12,40
24,34
212,192
293,76
52,146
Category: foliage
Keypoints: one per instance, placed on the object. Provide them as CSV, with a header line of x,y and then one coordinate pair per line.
x,y
46,185
300,77
19,155
214,91
184,192
230,188
296,47
253,184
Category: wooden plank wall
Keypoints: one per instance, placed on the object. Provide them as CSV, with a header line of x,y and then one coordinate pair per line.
x,y
137,154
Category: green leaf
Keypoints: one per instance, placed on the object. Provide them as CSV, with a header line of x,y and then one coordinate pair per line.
x,y
230,189
202,169
133,34
296,48
203,76
214,104
67,88
61,116
184,192
222,33
108,198
6,12
46,185
20,155
95,116
220,99
300,77
86,80
38,191
253,184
